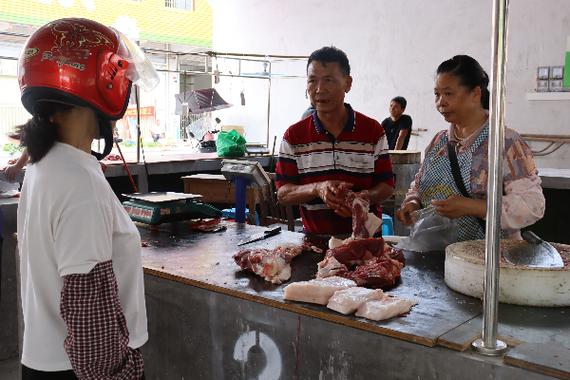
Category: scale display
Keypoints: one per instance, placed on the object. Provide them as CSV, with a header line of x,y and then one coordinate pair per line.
x,y
249,170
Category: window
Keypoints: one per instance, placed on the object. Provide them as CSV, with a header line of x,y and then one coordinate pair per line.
x,y
187,5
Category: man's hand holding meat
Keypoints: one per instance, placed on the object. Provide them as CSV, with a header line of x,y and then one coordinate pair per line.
x,y
333,193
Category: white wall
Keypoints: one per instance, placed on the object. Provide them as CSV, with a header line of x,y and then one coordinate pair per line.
x,y
395,47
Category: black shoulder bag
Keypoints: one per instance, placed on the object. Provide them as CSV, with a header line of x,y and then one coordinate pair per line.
x,y
458,180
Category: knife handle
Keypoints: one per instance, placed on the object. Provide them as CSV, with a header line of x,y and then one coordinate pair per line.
x,y
272,230
531,237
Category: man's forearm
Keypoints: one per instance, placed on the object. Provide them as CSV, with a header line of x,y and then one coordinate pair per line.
x,y
401,139
291,194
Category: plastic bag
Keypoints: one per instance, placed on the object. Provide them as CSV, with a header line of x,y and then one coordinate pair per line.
x,y
430,232
230,144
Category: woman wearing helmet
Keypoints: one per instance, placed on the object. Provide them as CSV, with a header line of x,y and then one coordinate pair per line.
x,y
80,262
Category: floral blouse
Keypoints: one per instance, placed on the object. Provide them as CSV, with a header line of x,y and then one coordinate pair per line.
x,y
523,200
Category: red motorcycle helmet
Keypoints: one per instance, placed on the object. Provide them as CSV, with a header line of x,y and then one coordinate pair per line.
x,y
82,62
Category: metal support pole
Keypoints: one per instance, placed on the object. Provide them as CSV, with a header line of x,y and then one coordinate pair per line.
x,y
268,103
489,344
137,101
241,188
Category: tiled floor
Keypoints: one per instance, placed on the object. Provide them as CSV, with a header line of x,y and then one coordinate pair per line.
x,y
10,369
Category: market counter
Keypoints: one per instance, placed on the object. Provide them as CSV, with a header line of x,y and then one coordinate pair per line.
x,y
208,319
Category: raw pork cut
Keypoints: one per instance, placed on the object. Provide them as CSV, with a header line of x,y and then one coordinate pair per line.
x,y
366,261
364,223
379,272
331,267
316,291
385,308
348,300
271,264
357,251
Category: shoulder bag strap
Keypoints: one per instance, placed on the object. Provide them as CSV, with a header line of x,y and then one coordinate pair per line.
x,y
457,178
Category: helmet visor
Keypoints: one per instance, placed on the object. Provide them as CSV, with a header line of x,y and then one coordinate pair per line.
x,y
140,71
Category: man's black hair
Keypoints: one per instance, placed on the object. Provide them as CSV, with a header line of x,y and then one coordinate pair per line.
x,y
401,101
331,54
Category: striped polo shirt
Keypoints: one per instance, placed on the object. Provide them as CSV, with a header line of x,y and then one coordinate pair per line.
x,y
309,153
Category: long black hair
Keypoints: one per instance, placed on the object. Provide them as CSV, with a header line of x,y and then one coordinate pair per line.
x,y
470,74
39,134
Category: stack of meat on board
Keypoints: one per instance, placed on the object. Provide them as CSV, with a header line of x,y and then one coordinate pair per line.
x,y
361,257
342,295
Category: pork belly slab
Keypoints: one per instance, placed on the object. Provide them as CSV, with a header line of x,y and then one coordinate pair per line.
x,y
316,291
388,307
349,300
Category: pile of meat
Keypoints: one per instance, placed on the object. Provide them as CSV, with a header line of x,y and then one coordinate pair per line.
x,y
361,258
342,295
365,261
271,264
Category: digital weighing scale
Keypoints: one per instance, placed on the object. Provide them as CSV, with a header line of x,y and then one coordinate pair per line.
x,y
242,173
164,207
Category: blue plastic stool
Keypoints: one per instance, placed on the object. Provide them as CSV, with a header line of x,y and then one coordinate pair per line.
x,y
387,225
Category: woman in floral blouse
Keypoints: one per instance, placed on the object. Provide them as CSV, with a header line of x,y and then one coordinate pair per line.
x,y
462,97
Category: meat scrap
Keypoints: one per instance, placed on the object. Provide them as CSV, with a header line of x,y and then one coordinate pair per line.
x,y
330,266
271,264
316,291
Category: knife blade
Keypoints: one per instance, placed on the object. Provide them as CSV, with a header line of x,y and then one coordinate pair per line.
x,y
270,231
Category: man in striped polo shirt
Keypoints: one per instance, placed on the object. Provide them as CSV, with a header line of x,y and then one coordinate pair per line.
x,y
336,147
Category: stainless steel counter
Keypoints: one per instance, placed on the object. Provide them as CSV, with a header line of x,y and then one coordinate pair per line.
x,y
555,178
208,319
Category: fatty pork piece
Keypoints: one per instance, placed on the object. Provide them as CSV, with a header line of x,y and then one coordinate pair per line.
x,y
316,291
387,307
271,264
379,272
349,300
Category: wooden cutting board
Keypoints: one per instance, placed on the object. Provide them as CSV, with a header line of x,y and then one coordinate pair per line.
x,y
520,285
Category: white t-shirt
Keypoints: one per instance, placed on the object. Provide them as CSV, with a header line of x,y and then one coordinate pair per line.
x,y
69,220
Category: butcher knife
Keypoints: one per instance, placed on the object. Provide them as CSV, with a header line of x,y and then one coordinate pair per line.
x,y
534,252
270,231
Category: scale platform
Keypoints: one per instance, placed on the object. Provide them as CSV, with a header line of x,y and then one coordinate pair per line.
x,y
166,207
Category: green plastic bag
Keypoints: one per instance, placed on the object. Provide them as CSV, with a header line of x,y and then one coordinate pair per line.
x,y
230,144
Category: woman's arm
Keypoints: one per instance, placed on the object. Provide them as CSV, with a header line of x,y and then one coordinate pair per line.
x,y
523,200
523,203
13,170
97,336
